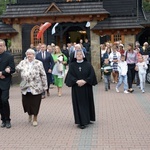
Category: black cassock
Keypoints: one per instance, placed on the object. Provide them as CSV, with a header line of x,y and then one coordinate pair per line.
x,y
82,97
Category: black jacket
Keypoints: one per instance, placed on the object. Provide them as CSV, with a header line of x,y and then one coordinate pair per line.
x,y
48,62
6,60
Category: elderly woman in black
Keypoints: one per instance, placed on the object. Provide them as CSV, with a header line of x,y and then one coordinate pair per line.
x,y
81,77
34,82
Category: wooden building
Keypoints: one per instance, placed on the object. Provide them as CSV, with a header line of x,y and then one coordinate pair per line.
x,y
109,21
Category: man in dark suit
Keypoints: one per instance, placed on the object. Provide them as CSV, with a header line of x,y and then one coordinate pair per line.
x,y
7,67
48,64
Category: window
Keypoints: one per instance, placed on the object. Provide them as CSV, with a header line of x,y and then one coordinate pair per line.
x,y
34,39
117,37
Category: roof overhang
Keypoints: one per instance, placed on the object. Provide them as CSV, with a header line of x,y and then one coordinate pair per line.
x,y
118,25
54,12
6,31
7,35
145,24
54,18
131,31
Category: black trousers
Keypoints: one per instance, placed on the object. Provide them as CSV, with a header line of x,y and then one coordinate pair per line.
x,y
48,82
48,79
4,105
131,74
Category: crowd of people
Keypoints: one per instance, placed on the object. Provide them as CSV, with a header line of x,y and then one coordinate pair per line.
x,y
128,66
42,66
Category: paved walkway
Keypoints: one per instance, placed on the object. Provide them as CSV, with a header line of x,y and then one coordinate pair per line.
x,y
123,123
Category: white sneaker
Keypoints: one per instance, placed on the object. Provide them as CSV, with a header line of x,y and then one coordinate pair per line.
x,y
126,92
35,123
117,90
143,91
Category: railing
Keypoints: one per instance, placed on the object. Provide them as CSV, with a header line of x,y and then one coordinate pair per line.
x,y
17,53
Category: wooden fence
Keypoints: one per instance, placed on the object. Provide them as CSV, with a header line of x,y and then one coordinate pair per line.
x,y
17,58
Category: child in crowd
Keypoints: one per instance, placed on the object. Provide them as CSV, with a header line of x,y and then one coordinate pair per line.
x,y
141,67
122,68
107,69
137,80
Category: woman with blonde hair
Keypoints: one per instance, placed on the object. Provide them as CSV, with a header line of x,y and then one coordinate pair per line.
x,y
59,68
34,82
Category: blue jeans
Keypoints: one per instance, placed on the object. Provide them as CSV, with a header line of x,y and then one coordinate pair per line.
x,y
107,81
122,79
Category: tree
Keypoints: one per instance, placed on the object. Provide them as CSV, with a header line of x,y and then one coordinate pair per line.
x,y
146,5
4,4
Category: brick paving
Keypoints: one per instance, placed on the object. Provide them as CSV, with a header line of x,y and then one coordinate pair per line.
x,y
123,123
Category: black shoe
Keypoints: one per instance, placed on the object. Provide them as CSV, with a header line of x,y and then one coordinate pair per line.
x,y
8,124
109,87
48,93
82,126
106,89
131,90
3,124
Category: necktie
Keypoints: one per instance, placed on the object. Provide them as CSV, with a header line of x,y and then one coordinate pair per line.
x,y
43,55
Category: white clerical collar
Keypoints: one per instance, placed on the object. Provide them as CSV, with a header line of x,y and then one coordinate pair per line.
x,y
80,61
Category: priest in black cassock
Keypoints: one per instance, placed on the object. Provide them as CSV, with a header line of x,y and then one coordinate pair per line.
x,y
81,77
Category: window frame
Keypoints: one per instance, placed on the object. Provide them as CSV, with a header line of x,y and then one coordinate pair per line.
x,y
33,35
113,39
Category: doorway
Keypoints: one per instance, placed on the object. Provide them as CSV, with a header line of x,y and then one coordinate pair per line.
x,y
71,32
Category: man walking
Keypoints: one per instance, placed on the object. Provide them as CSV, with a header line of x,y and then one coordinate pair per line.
x,y
7,67
48,64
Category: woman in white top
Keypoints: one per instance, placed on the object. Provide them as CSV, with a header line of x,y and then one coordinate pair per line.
x,y
34,82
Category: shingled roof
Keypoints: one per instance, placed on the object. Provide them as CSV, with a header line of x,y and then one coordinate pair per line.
x,y
118,23
123,15
54,9
5,28
120,7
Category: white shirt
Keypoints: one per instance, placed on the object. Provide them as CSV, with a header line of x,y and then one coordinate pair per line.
x,y
142,67
122,68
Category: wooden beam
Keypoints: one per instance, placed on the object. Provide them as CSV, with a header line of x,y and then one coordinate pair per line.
x,y
98,16
117,31
16,21
8,21
7,35
54,19
91,17
35,18
72,17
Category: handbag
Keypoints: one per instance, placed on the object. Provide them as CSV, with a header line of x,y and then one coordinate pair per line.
x,y
60,67
24,85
